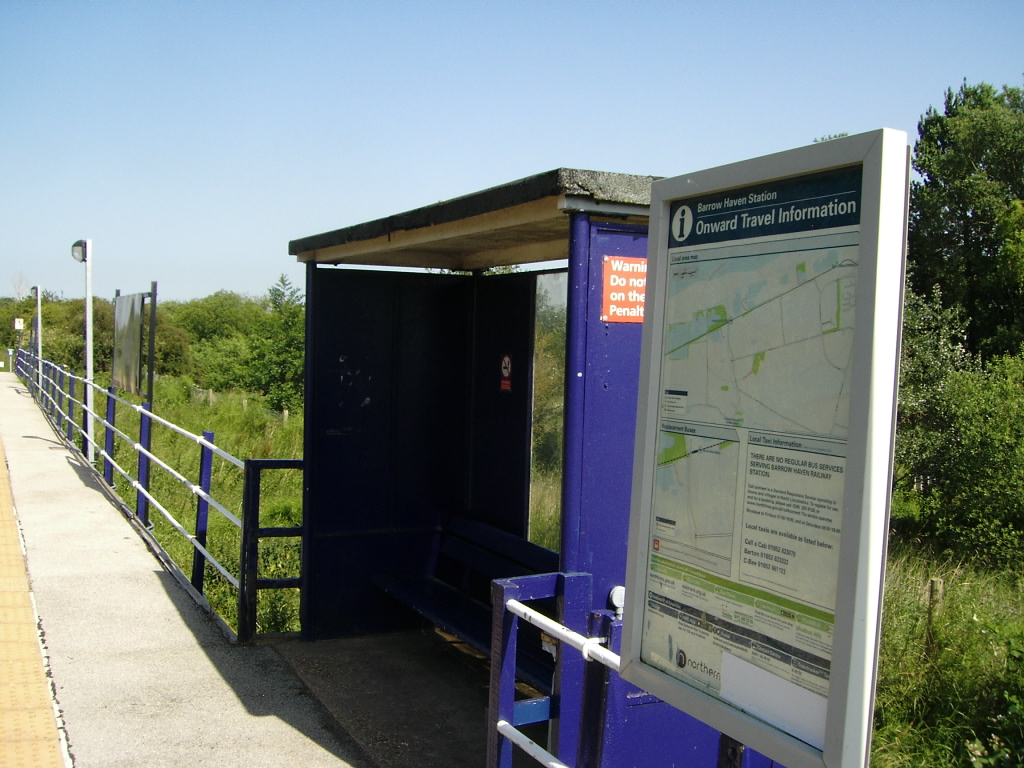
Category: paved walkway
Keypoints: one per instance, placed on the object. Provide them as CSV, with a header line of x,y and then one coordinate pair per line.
x,y
122,668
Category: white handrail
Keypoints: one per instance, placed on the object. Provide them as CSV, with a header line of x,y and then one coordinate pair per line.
x,y
529,746
589,646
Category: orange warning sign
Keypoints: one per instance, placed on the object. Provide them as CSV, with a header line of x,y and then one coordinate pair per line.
x,y
625,286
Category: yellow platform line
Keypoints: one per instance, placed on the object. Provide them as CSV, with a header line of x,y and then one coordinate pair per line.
x,y
29,735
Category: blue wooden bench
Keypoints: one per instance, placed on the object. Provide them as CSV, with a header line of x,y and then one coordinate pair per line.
x,y
454,593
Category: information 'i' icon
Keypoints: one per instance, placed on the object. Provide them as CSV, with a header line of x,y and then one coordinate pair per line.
x,y
682,223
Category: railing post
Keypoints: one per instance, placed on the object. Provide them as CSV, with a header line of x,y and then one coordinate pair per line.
x,y
108,437
248,561
596,707
85,418
71,408
202,513
51,385
60,402
145,428
501,693
47,400
574,610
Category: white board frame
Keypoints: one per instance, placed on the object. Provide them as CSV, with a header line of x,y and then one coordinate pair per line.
x,y
884,158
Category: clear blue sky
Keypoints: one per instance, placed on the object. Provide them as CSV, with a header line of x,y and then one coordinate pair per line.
x,y
192,140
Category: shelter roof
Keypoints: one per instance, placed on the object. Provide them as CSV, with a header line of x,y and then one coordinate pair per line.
x,y
520,222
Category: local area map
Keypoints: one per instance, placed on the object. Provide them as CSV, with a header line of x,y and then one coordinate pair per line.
x,y
746,508
758,341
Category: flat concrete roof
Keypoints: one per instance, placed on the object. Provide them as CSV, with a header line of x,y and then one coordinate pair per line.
x,y
520,222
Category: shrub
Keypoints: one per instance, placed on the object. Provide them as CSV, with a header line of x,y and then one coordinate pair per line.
x,y
974,500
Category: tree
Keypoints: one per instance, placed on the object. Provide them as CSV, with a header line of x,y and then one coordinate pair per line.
x,y
20,285
278,348
934,346
173,354
64,332
975,505
218,332
966,231
25,308
223,313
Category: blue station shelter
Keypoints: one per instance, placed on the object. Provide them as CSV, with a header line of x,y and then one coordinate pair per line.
x,y
419,382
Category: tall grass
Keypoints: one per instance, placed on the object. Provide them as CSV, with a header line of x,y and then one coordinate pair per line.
x,y
545,526
946,669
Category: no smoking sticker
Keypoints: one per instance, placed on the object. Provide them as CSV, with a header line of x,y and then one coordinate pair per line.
x,y
506,373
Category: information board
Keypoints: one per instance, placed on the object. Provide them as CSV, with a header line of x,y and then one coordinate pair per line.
x,y
764,444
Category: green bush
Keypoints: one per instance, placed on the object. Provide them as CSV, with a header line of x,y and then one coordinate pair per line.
x,y
1003,746
973,500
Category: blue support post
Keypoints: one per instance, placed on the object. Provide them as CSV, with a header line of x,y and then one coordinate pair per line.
x,y
573,609
502,689
71,407
202,513
60,402
85,418
47,401
108,437
575,388
51,379
248,561
595,707
145,428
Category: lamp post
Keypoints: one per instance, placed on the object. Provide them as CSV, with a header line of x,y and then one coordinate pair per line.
x,y
82,251
39,335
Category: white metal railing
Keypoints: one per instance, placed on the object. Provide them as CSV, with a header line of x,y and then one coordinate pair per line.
x,y
55,407
592,648
529,746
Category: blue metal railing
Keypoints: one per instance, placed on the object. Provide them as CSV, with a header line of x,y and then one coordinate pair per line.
x,y
563,709
53,388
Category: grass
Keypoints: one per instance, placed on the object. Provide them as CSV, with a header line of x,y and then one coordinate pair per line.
x,y
243,427
943,673
545,526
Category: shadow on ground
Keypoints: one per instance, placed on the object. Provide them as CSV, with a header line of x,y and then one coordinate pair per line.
x,y
407,698
264,683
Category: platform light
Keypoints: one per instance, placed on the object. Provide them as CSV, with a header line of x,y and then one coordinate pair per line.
x,y
81,252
